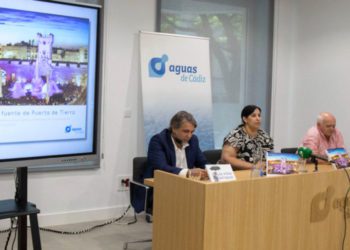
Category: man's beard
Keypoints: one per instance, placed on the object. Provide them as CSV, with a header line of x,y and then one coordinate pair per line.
x,y
178,141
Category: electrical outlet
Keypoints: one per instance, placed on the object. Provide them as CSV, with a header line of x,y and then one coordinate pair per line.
x,y
123,183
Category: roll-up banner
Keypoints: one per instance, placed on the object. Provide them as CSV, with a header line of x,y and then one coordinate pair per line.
x,y
175,75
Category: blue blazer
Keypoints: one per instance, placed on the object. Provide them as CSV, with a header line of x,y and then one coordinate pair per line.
x,y
161,154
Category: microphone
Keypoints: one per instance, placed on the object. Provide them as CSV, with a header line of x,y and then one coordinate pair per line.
x,y
340,162
305,153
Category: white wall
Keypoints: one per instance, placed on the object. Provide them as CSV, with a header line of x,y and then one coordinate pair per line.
x,y
311,67
74,196
282,72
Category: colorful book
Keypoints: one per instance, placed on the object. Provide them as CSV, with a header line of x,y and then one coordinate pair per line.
x,y
281,163
338,157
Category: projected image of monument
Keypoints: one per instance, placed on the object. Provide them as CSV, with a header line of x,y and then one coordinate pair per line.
x,y
43,59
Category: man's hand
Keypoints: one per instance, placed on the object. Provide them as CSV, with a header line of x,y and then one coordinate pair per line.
x,y
198,174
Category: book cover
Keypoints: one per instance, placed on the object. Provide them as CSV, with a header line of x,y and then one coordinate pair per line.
x,y
338,157
281,163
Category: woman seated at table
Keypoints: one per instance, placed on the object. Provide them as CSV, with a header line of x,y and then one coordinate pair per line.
x,y
245,145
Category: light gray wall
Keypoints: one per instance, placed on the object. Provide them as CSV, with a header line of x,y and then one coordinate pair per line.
x,y
311,67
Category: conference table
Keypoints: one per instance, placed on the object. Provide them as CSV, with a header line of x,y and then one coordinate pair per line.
x,y
302,211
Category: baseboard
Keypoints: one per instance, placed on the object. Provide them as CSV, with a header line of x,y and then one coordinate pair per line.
x,y
80,216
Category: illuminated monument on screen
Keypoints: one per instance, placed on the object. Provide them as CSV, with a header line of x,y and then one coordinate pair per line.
x,y
43,69
48,82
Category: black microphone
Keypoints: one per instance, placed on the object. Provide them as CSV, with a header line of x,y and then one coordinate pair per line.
x,y
306,153
320,157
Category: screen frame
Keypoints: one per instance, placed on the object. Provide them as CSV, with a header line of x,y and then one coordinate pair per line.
x,y
90,160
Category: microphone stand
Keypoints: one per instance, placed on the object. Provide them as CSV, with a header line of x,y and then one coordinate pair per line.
x,y
315,161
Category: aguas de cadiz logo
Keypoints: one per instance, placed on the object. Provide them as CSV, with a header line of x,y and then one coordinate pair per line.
x,y
323,202
158,67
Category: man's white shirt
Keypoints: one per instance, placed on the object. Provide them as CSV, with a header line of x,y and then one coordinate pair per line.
x,y
181,161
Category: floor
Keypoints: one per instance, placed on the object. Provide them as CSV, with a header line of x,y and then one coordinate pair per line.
x,y
107,237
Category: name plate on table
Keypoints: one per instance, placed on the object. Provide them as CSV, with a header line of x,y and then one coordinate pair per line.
x,y
220,172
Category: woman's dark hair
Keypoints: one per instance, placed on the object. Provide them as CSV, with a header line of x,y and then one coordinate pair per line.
x,y
247,111
181,117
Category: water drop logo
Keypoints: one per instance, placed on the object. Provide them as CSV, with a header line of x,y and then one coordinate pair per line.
x,y
156,66
68,129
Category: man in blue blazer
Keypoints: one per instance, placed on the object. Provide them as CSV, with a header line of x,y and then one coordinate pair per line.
x,y
176,149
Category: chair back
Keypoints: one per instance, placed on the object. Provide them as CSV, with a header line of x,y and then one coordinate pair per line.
x,y
139,196
289,150
213,155
139,166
